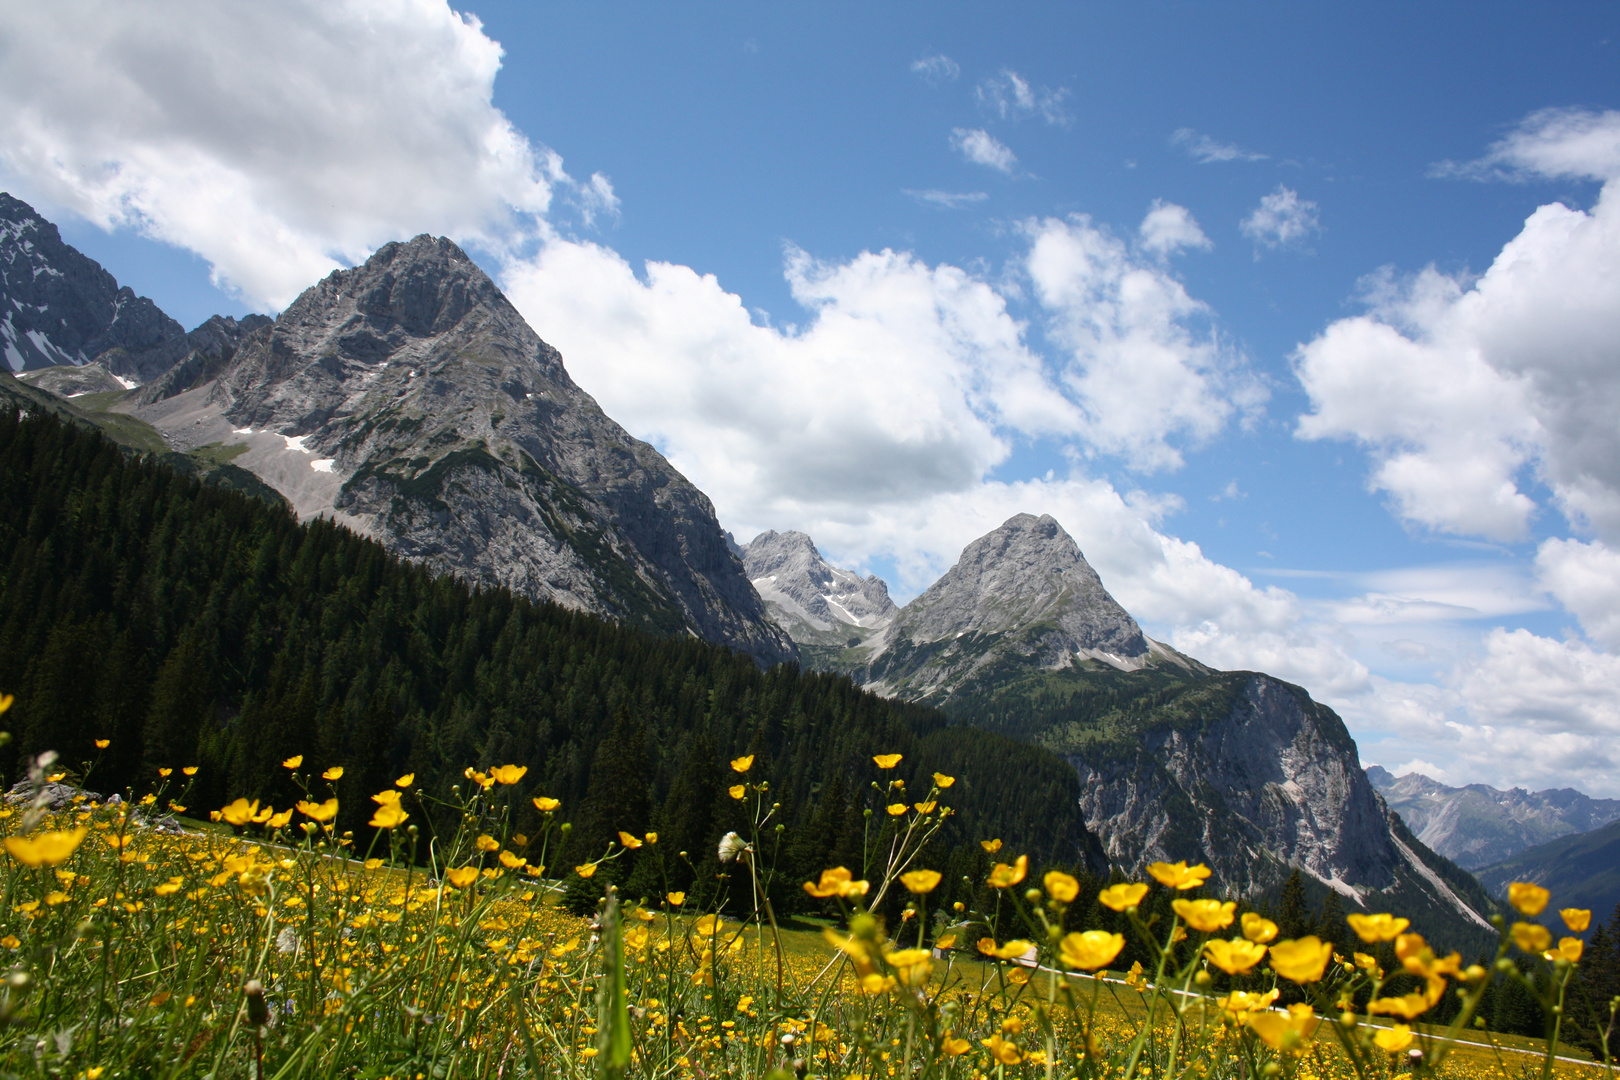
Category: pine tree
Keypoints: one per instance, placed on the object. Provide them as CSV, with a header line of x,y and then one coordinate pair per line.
x,y
1293,920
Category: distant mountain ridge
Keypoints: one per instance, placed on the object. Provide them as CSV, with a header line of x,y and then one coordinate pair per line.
x,y
823,608
1238,770
1477,826
1581,870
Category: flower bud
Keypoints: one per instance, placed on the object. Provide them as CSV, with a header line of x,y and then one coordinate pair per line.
x,y
258,1012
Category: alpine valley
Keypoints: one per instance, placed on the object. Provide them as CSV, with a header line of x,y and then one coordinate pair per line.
x,y
481,562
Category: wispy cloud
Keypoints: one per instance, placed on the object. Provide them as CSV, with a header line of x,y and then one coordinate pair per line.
x,y
1009,96
982,148
1282,219
1555,143
936,69
1204,150
946,200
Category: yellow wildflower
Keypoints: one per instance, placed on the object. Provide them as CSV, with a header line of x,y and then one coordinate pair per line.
x,y
737,791
240,812
1090,950
955,1047
1240,1003
1569,948
742,764
1289,1032
896,809
511,861
1235,957
1301,961
1178,875
189,770
912,964
675,899
1576,919
1003,876
279,821
462,876
1207,916
1257,928
1531,937
406,781
334,773
586,870
887,761
1527,898
46,848
1060,886
486,842
388,816
1376,928
321,812
1123,896
925,807
1394,1040
293,762
1407,1006
942,781
1003,1051
101,744
628,840
508,774
836,882
1012,950
920,881
990,846
545,805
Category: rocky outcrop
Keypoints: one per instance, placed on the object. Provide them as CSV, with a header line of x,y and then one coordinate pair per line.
x,y
409,399
58,306
1477,826
807,593
1022,594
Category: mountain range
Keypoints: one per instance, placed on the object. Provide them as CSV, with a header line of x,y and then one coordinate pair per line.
x,y
407,400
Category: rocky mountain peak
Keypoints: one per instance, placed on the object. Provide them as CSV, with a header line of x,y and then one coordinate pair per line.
x,y
407,398
792,575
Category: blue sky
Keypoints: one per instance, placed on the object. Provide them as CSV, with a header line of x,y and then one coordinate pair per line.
x,y
1223,288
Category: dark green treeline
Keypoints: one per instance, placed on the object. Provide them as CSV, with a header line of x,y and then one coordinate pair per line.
x,y
190,625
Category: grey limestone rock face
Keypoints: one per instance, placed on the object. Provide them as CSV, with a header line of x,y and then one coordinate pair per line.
x,y
1477,826
58,306
409,399
806,590
1261,781
1023,591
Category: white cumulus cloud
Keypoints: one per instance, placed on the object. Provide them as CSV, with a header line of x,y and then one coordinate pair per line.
x,y
1585,579
1282,220
278,140
1168,228
982,148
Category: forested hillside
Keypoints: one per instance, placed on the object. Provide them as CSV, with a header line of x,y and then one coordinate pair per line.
x,y
191,625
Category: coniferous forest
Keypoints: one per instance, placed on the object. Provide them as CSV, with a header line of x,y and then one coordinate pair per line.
x,y
191,625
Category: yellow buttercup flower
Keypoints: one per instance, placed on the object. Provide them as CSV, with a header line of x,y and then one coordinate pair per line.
x,y
942,781
1012,950
1289,1032
1235,957
485,842
1576,919
1240,1003
101,744
1178,875
897,809
1258,928
1407,1006
742,764
511,861
1376,928
1301,961
293,762
675,899
240,812
1003,876
321,812
545,805
279,821
508,774
46,848
387,797
1527,898
920,881
585,871
836,882
1394,1040
912,964
1207,916
189,770
388,816
1531,937
334,773
990,846
1569,948
462,876
1003,1051
1060,886
1091,949
406,781
887,761
925,807
955,1047
161,772
737,791
629,841
1125,895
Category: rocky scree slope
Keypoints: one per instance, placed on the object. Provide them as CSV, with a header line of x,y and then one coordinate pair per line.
x,y
823,608
409,399
1477,826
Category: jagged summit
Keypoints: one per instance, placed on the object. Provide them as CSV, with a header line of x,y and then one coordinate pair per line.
x,y
407,398
791,574
1022,592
